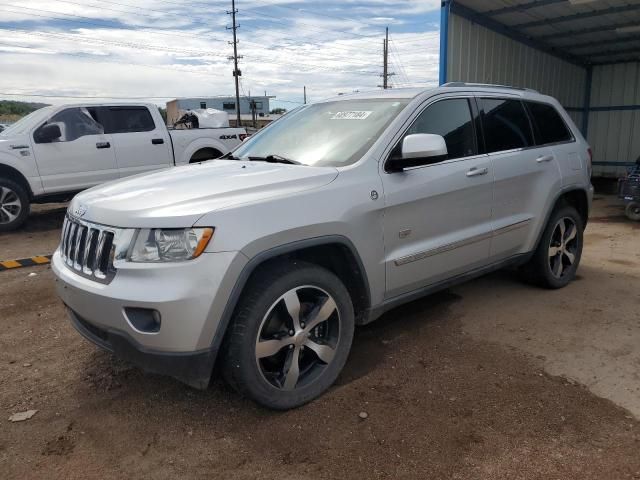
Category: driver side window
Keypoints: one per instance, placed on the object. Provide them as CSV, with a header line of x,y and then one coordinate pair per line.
x,y
452,120
74,123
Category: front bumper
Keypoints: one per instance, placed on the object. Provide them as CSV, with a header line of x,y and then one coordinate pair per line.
x,y
190,298
191,368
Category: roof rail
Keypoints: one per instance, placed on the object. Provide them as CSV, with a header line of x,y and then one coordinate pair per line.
x,y
487,85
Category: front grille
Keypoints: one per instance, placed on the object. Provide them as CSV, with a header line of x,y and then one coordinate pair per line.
x,y
88,248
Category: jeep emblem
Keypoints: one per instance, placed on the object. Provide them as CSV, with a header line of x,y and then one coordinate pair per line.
x,y
80,210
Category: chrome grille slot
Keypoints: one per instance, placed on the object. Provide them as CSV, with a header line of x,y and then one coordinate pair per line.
x,y
88,248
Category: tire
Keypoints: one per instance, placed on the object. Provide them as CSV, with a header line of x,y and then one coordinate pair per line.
x,y
14,205
632,211
555,261
265,340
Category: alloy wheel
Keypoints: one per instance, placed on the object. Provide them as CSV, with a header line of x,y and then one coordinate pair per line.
x,y
563,246
10,205
298,337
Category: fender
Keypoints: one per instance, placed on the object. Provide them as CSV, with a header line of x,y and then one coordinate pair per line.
x,y
260,258
561,192
24,168
198,144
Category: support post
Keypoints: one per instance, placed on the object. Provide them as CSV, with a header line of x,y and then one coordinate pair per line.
x,y
445,6
586,108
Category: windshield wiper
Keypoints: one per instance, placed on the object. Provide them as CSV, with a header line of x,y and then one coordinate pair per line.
x,y
274,159
229,156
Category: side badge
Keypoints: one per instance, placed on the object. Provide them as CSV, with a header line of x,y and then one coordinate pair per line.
x,y
404,233
374,195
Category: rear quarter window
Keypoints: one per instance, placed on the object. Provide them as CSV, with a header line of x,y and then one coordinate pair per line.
x,y
548,125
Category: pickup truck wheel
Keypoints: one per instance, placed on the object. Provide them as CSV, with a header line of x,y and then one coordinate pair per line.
x,y
556,259
290,336
14,205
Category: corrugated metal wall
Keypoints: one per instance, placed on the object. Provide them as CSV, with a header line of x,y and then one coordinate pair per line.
x,y
615,135
477,54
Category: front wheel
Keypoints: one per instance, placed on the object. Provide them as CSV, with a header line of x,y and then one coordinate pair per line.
x,y
290,336
14,205
555,261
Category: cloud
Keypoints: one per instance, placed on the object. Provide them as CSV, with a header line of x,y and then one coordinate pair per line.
x,y
167,48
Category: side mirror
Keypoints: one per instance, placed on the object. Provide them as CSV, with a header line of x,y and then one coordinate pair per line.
x,y
419,149
48,133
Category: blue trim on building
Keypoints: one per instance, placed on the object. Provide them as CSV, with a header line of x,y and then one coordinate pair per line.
x,y
615,108
614,164
445,6
587,101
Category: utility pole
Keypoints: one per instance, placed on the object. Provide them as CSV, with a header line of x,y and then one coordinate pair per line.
x,y
305,94
236,71
385,61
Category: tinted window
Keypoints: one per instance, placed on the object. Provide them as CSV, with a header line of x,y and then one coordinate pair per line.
x,y
203,105
451,119
506,125
129,119
74,123
548,124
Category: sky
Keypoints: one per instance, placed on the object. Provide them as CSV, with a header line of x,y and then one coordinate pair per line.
x,y
157,50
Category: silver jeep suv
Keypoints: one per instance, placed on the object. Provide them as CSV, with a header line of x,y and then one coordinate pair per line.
x,y
266,260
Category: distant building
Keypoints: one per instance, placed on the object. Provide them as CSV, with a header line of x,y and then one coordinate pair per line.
x,y
226,104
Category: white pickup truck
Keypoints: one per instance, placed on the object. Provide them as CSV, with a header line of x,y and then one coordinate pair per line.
x,y
57,151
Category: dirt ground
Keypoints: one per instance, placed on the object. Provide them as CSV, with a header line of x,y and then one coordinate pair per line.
x,y
492,379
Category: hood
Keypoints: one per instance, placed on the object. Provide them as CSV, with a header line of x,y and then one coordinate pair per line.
x,y
177,197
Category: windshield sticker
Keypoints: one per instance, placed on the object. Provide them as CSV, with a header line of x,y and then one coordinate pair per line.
x,y
354,115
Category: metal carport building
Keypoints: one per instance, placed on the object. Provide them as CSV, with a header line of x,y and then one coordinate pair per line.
x,y
586,53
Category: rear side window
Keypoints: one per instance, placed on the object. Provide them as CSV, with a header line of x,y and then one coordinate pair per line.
x,y
451,119
129,119
506,125
548,124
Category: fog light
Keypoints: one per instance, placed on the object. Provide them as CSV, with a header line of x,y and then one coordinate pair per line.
x,y
144,320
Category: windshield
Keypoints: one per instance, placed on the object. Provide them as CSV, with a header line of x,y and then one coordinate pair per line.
x,y
325,134
27,122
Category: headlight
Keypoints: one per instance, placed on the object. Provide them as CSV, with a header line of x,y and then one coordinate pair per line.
x,y
169,244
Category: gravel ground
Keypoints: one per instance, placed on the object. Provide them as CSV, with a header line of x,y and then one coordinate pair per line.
x,y
491,379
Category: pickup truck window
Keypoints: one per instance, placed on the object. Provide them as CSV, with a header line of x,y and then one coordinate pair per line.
x,y
129,120
325,134
74,123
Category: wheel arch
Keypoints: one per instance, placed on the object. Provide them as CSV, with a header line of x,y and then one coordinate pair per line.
x,y
576,197
208,152
13,174
334,252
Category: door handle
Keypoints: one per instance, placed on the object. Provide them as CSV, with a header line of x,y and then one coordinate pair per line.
x,y
157,141
544,158
103,145
476,172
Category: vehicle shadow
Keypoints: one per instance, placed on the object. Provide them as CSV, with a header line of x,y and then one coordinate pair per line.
x,y
372,342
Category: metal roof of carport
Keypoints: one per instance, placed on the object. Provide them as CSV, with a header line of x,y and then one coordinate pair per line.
x,y
584,32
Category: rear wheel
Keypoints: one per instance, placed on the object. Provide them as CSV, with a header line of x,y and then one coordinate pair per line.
x,y
557,257
14,205
290,336
632,211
